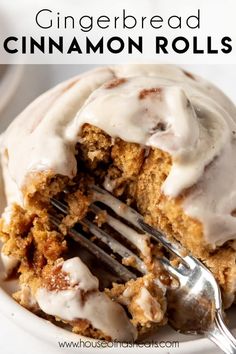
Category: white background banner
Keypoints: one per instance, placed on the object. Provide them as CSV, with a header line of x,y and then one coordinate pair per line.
x,y
105,31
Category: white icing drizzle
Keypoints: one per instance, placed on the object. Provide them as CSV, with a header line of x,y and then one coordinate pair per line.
x,y
160,285
9,263
7,215
79,273
182,115
97,308
37,138
141,241
109,184
149,305
27,298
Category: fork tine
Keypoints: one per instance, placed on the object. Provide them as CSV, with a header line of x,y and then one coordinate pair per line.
x,y
115,245
171,269
129,215
105,237
137,239
135,218
113,264
116,205
60,205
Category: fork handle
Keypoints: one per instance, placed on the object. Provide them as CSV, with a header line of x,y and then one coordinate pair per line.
x,y
221,336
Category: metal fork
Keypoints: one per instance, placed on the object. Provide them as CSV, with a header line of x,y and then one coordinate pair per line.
x,y
195,306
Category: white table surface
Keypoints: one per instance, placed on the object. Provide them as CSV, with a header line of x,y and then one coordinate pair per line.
x,y
36,79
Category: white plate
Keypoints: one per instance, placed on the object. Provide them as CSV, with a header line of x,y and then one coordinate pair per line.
x,y
23,331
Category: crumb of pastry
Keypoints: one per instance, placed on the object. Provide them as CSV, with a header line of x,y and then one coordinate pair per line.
x,y
148,312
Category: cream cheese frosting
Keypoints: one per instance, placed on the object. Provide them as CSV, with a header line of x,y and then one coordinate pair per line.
x,y
9,263
97,307
158,106
149,305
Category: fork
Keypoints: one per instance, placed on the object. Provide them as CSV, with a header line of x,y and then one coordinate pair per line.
x,y
195,306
